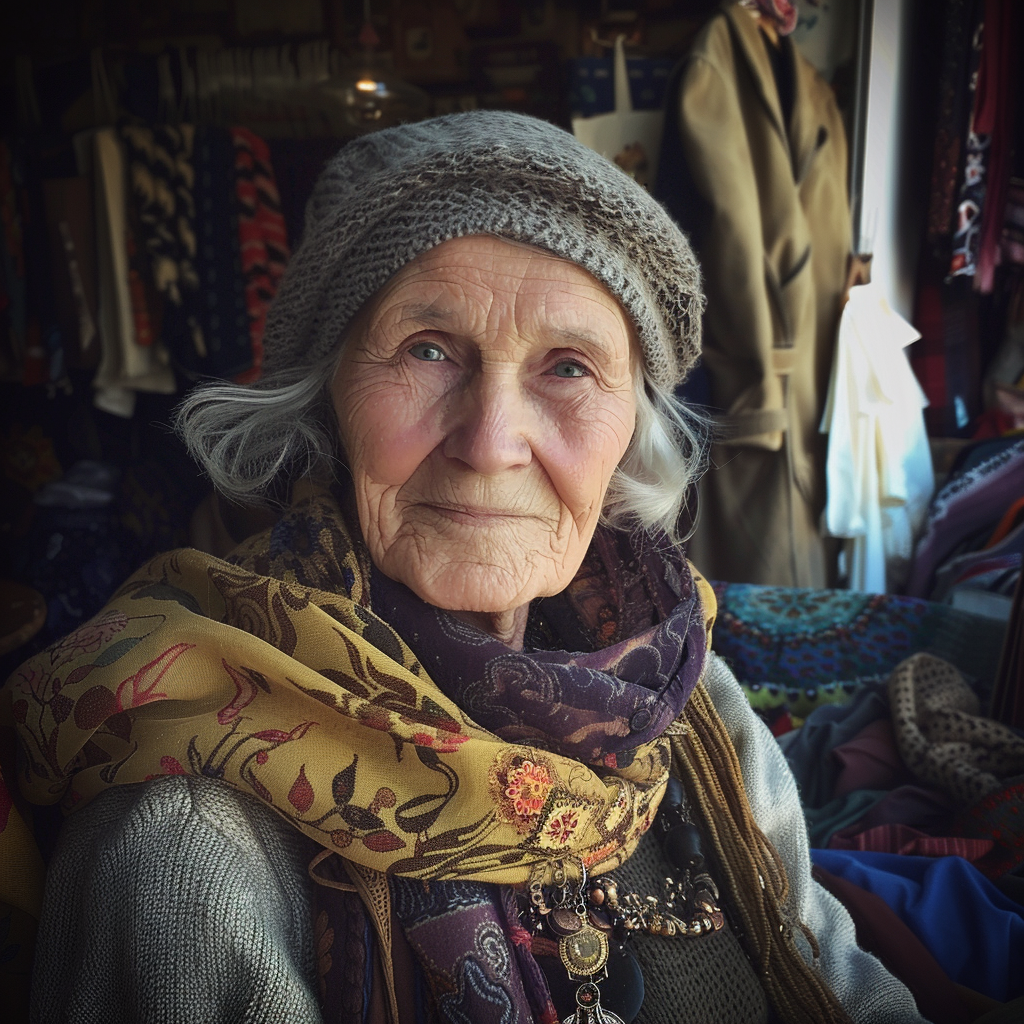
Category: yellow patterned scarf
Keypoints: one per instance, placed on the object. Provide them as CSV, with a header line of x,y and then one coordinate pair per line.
x,y
272,673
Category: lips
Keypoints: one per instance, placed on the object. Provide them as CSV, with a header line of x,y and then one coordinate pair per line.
x,y
469,513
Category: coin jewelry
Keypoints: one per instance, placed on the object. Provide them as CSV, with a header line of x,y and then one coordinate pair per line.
x,y
583,945
586,919
688,905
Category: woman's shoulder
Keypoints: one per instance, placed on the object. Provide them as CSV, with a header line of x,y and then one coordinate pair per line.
x,y
180,816
167,897
725,691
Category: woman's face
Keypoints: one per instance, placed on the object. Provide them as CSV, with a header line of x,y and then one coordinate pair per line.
x,y
484,398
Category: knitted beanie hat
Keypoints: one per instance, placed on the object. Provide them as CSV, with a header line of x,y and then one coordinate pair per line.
x,y
391,195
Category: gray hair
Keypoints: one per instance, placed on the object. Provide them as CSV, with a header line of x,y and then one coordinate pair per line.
x,y
252,439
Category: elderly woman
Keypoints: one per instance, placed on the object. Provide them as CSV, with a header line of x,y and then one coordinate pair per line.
x,y
446,742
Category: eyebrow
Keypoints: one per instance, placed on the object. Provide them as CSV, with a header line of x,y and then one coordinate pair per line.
x,y
442,317
432,314
572,336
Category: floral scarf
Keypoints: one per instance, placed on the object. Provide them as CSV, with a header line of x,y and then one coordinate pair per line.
x,y
429,750
386,730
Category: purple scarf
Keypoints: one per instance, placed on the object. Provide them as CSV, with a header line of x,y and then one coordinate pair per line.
x,y
634,616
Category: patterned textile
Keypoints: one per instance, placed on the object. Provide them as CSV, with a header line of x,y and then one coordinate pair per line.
x,y
998,819
162,180
903,839
798,649
341,932
261,234
282,685
952,121
942,737
971,500
789,706
971,194
462,931
277,673
139,290
998,86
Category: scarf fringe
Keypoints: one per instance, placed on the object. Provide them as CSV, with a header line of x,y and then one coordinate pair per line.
x,y
754,876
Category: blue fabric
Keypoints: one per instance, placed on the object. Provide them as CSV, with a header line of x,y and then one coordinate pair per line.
x,y
973,931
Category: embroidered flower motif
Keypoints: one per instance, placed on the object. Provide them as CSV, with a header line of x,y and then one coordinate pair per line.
x,y
528,787
521,788
560,829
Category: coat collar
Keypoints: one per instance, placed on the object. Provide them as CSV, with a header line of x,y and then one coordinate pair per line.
x,y
801,137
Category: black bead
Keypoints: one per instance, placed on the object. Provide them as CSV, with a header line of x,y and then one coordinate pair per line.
x,y
675,795
682,847
622,991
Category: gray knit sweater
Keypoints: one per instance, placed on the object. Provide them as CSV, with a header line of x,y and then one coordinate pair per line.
x,y
181,900
178,900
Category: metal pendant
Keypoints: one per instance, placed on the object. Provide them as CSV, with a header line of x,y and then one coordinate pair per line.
x,y
589,1009
564,922
585,952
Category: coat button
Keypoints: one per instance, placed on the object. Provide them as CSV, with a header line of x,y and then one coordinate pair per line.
x,y
640,719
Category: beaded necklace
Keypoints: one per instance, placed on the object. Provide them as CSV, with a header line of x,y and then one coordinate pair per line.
x,y
585,919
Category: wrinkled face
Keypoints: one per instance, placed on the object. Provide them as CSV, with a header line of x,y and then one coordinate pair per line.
x,y
484,398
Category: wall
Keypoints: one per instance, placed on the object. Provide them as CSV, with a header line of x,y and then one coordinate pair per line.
x,y
892,207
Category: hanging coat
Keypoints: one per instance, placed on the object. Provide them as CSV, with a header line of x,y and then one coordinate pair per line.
x,y
765,201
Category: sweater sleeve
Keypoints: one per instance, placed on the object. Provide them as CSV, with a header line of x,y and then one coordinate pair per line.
x,y
175,900
868,992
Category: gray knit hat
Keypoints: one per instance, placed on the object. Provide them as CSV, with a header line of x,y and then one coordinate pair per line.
x,y
389,196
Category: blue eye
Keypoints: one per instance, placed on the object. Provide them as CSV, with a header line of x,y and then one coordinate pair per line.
x,y
567,368
428,352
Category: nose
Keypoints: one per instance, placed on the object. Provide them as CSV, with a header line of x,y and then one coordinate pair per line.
x,y
489,425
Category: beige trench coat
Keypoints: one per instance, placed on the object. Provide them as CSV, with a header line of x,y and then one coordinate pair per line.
x,y
766,204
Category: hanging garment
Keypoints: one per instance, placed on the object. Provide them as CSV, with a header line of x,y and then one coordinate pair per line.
x,y
762,191
45,361
261,234
162,184
952,117
125,366
879,466
993,120
69,222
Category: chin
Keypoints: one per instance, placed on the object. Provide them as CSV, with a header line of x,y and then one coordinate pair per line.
x,y
485,590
